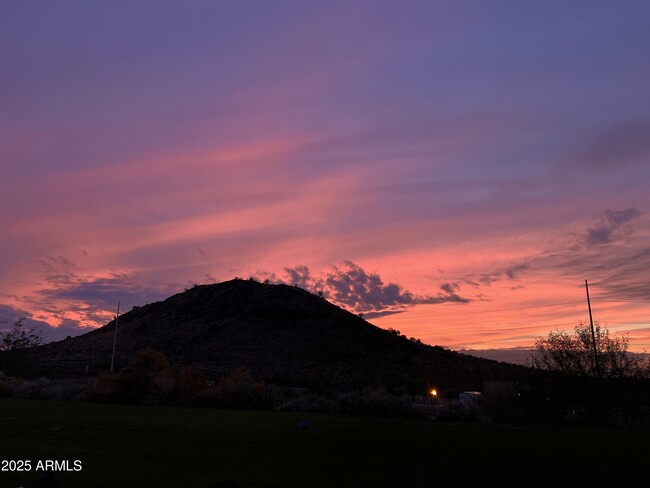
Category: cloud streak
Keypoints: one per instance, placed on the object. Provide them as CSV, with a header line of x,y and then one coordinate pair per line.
x,y
615,145
206,141
10,315
611,225
606,252
73,301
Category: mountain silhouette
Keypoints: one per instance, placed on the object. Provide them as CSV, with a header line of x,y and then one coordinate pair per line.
x,y
283,333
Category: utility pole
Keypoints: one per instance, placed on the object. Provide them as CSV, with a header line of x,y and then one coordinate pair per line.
x,y
593,334
117,316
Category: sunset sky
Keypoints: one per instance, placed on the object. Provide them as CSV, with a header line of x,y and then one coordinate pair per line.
x,y
451,169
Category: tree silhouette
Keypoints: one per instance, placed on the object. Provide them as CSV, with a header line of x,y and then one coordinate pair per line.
x,y
574,353
20,337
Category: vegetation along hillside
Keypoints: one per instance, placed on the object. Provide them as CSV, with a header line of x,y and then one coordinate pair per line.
x,y
284,334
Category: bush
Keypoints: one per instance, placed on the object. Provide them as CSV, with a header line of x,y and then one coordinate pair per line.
x,y
239,390
148,380
373,401
45,388
308,402
188,386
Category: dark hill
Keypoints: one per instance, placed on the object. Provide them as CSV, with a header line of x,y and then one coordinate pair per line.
x,y
285,334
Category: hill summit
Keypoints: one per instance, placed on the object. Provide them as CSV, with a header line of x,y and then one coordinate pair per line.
x,y
285,334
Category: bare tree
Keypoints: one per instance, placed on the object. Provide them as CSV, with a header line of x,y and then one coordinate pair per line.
x,y
574,353
20,337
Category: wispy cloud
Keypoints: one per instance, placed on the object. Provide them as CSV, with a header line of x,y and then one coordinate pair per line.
x,y
606,252
403,138
615,145
612,224
10,315
73,300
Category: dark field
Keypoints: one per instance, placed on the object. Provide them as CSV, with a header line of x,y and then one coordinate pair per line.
x,y
131,446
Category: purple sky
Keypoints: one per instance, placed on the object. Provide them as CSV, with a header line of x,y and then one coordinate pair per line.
x,y
455,170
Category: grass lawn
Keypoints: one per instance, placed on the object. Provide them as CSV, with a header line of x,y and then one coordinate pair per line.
x,y
133,446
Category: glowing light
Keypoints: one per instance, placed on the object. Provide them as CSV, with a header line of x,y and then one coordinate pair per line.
x,y
434,392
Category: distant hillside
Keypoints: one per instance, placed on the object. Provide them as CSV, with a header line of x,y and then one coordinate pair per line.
x,y
285,334
513,356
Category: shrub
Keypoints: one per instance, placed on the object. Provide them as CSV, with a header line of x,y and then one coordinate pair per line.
x,y
148,380
238,390
308,402
188,386
373,401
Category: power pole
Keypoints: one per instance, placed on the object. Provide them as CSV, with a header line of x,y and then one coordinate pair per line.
x,y
117,316
593,334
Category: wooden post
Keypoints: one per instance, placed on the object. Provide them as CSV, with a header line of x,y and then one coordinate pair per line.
x,y
117,316
593,334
